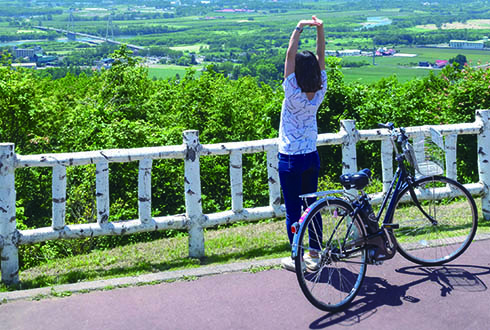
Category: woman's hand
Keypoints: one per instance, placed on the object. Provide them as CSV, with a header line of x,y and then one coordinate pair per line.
x,y
314,21
318,22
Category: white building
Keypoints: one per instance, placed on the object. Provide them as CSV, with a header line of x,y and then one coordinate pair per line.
x,y
465,44
349,52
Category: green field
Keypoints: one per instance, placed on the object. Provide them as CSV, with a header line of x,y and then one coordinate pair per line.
x,y
165,71
404,67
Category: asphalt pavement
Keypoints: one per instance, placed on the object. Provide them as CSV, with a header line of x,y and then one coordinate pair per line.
x,y
395,295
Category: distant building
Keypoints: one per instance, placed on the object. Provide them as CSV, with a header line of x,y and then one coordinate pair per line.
x,y
424,64
232,10
389,52
30,65
441,63
385,52
105,63
42,60
28,52
349,52
465,44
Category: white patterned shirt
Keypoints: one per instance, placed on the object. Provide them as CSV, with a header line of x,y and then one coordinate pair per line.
x,y
298,129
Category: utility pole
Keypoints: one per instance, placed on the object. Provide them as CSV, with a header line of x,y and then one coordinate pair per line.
x,y
374,51
110,27
71,26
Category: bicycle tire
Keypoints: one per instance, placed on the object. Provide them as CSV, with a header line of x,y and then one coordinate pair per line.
x,y
335,284
451,205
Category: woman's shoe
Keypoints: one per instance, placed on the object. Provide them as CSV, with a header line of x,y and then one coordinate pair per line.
x,y
289,264
311,263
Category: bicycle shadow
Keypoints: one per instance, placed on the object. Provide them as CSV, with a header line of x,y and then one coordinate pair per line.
x,y
376,292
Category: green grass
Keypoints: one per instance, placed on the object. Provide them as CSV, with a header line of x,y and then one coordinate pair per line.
x,y
371,74
454,221
239,242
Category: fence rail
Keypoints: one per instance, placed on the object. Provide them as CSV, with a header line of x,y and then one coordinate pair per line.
x,y
194,220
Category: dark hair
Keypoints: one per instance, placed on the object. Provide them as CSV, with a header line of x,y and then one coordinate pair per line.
x,y
308,73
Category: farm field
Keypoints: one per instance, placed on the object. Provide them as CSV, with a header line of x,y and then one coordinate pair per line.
x,y
404,68
252,41
166,71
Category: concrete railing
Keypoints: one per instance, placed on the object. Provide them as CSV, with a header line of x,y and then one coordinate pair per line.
x,y
194,220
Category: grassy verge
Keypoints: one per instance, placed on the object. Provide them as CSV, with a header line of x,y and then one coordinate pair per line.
x,y
240,242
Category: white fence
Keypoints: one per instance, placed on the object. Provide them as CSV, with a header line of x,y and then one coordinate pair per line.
x,y
190,151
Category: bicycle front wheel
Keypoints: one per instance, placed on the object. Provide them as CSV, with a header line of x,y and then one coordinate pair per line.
x,y
333,279
446,227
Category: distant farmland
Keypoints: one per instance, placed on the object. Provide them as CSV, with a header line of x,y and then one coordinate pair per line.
x,y
404,68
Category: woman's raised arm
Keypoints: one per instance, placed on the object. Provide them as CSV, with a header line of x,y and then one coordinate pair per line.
x,y
289,64
320,42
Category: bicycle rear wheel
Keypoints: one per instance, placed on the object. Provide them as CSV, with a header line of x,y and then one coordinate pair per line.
x,y
448,234
330,231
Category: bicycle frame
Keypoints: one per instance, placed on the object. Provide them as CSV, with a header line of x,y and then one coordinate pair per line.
x,y
401,180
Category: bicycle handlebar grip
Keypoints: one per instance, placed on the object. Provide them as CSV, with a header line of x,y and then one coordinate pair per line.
x,y
388,125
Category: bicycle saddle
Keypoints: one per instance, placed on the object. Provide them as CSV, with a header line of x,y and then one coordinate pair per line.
x,y
357,180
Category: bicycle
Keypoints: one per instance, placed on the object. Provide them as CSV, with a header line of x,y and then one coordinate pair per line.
x,y
429,220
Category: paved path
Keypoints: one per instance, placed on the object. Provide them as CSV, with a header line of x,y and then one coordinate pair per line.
x,y
396,295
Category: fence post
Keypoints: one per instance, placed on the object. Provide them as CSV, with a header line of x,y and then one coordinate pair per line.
x,y
273,178
482,116
236,178
8,231
349,155
144,190
450,142
193,200
387,163
102,191
59,196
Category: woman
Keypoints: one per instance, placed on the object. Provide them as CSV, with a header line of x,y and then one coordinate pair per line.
x,y
305,84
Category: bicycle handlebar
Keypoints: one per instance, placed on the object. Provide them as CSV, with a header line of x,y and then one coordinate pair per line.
x,y
400,137
400,141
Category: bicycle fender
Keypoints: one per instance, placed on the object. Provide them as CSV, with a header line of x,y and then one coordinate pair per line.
x,y
299,227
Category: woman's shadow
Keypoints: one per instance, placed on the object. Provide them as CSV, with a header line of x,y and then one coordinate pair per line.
x,y
377,292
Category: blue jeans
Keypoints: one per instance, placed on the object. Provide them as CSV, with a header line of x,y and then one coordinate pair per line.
x,y
299,175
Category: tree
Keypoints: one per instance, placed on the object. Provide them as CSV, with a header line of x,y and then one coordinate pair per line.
x,y
460,59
